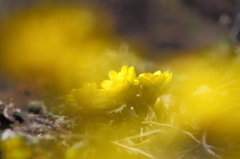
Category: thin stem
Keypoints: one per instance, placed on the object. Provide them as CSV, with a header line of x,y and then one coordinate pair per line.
x,y
183,131
133,149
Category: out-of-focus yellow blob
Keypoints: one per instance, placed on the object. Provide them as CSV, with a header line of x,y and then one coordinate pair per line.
x,y
53,40
205,88
15,148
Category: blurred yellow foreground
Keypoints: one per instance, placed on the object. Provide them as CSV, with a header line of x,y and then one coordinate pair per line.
x,y
57,41
198,114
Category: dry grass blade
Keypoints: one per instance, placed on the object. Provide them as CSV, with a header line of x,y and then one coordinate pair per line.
x,y
142,135
133,149
174,127
207,147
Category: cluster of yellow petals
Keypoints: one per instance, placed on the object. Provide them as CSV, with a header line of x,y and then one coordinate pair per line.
x,y
118,81
156,79
86,90
89,94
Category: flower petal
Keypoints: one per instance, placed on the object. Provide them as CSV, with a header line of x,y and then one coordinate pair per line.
x,y
157,73
113,75
124,69
106,84
154,78
160,80
131,74
144,79
168,77
146,75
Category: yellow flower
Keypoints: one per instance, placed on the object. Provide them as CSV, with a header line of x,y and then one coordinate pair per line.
x,y
89,97
83,95
156,79
118,81
89,88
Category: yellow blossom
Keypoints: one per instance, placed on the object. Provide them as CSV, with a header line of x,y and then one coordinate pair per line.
x,y
88,88
89,97
156,79
83,95
118,81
